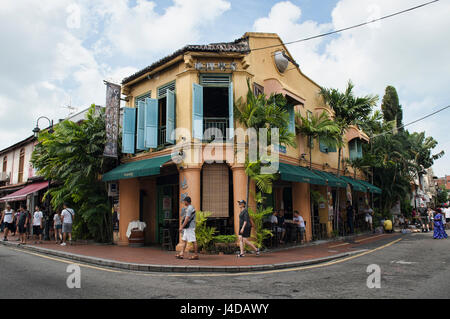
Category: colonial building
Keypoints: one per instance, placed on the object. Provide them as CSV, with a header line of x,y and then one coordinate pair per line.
x,y
174,101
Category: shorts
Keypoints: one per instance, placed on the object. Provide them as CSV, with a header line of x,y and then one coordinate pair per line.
x,y
369,219
10,226
279,229
67,228
247,232
189,235
58,227
22,229
36,230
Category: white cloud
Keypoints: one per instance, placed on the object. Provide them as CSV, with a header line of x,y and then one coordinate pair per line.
x,y
409,51
138,31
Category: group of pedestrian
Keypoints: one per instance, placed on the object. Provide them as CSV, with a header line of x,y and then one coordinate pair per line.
x,y
21,221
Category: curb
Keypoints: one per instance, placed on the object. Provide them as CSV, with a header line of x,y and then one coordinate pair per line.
x,y
177,268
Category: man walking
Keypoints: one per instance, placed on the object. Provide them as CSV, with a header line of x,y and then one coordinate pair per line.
x,y
67,220
369,219
245,228
37,224
187,229
425,218
350,211
7,219
22,224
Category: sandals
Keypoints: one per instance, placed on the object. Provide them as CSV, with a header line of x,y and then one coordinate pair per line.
x,y
240,255
179,256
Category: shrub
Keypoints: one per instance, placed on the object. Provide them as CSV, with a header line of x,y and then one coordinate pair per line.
x,y
203,233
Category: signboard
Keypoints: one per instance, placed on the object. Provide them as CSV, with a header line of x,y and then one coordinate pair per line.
x,y
112,119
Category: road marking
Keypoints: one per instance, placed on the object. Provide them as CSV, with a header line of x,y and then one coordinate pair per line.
x,y
253,273
356,242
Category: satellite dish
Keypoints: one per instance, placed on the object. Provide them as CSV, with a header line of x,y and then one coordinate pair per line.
x,y
281,62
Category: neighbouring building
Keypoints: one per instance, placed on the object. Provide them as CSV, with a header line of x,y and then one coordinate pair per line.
x,y
19,183
195,89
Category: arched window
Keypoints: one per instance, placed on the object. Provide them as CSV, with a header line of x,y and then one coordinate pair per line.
x,y
5,163
21,164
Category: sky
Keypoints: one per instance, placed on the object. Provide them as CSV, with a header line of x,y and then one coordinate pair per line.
x,y
56,53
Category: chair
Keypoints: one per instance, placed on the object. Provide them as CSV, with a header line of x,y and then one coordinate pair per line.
x,y
167,239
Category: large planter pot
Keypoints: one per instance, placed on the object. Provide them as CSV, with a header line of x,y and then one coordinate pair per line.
x,y
136,238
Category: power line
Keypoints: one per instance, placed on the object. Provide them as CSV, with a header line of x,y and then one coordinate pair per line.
x,y
414,122
347,28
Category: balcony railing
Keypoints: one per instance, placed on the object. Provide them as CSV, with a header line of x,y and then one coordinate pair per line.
x,y
219,123
162,136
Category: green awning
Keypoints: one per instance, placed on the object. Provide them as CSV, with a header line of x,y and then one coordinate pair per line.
x,y
355,184
372,188
333,180
142,168
291,173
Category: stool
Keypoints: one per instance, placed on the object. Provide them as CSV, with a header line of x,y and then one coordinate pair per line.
x,y
167,239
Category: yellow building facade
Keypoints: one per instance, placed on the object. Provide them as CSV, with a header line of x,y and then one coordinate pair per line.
x,y
178,98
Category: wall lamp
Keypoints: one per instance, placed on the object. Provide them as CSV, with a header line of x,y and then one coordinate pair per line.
x,y
36,130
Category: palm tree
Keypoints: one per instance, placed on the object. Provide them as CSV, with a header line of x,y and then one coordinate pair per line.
x,y
348,110
318,126
263,112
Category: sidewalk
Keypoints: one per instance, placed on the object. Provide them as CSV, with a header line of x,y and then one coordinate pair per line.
x,y
153,259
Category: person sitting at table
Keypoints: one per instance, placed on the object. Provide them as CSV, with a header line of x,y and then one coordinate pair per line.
x,y
300,222
275,220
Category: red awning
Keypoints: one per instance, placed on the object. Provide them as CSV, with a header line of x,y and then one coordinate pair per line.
x,y
22,193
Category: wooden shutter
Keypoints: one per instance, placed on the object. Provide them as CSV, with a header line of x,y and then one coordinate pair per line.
x,y
197,111
141,126
231,112
215,195
151,123
170,117
128,130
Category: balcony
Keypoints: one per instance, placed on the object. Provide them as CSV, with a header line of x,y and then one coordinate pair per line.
x,y
220,123
162,136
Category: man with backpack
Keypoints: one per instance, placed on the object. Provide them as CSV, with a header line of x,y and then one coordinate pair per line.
x,y
187,228
67,215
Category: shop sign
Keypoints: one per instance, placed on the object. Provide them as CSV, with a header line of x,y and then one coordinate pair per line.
x,y
211,66
112,115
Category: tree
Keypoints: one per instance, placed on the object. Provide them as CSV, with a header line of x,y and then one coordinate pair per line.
x,y
318,127
392,110
72,157
442,195
348,110
263,112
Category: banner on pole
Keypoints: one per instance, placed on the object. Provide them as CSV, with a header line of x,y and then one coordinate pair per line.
x,y
112,119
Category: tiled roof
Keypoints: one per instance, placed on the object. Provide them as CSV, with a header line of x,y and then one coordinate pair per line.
x,y
238,46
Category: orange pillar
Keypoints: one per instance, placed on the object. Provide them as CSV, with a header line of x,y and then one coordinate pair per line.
x,y
189,186
128,206
239,192
301,203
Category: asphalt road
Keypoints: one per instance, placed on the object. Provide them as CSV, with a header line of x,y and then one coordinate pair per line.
x,y
414,267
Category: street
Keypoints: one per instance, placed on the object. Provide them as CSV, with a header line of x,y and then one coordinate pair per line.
x,y
412,266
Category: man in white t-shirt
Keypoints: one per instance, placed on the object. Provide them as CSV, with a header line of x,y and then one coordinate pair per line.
x,y
300,222
67,215
8,219
447,215
37,224
369,220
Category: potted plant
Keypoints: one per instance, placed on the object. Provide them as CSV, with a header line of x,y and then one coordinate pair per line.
x,y
225,244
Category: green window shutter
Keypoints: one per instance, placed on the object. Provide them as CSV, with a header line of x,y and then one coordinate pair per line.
x,y
359,149
291,119
141,126
151,123
129,130
353,149
323,146
231,112
170,117
197,111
